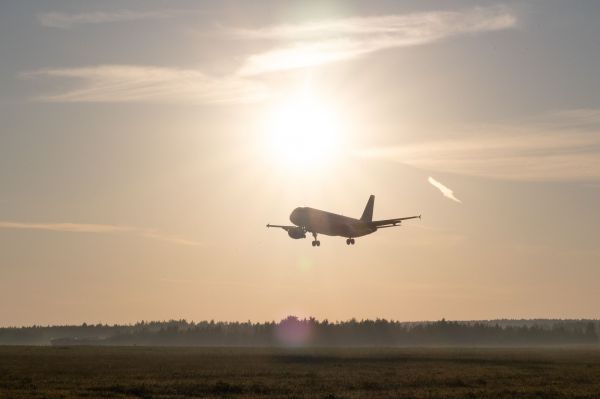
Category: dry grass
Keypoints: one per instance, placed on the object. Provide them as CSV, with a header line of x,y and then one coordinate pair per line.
x,y
138,372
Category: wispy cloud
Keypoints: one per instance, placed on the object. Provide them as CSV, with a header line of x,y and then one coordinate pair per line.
x,y
98,228
168,238
66,227
287,47
561,146
66,21
127,83
446,192
336,40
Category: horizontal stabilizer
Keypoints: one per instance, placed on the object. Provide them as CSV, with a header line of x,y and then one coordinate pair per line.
x,y
392,222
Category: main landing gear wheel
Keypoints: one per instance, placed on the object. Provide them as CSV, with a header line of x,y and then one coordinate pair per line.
x,y
350,241
316,243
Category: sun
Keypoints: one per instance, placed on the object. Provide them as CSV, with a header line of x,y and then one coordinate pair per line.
x,y
303,132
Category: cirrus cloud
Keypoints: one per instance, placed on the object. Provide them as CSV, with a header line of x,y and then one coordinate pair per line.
x,y
62,20
559,146
99,229
323,42
130,83
289,47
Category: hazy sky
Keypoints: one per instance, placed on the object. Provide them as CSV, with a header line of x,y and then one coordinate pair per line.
x,y
144,145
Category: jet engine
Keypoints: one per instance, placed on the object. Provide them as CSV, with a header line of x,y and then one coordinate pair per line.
x,y
297,233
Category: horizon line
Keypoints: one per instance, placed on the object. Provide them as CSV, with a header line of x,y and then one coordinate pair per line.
x,y
338,321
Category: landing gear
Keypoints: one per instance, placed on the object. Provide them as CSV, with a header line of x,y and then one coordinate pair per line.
x,y
350,241
315,243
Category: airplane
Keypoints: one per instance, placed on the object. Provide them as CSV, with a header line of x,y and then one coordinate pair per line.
x,y
315,221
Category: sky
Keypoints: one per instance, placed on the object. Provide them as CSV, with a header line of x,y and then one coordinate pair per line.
x,y
144,146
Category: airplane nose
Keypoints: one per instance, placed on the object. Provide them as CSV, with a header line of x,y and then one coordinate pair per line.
x,y
296,217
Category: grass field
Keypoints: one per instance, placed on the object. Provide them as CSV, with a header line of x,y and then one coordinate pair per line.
x,y
139,372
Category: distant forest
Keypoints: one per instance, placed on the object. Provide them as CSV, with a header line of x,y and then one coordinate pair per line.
x,y
311,332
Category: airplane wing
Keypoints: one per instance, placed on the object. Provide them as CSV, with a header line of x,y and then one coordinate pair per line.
x,y
286,228
380,224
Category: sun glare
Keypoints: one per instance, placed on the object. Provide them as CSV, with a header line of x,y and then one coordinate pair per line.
x,y
304,132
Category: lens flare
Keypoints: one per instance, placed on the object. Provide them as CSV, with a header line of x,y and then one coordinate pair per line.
x,y
294,332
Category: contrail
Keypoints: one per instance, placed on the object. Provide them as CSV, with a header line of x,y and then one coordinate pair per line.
x,y
445,190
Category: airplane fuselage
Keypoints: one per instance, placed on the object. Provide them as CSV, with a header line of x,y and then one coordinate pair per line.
x,y
315,221
330,224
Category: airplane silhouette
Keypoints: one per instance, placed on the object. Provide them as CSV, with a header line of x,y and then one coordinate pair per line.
x,y
315,221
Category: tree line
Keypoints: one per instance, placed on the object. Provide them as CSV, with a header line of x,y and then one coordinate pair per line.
x,y
293,331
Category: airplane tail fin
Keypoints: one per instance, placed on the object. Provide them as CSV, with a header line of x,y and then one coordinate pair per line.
x,y
367,215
